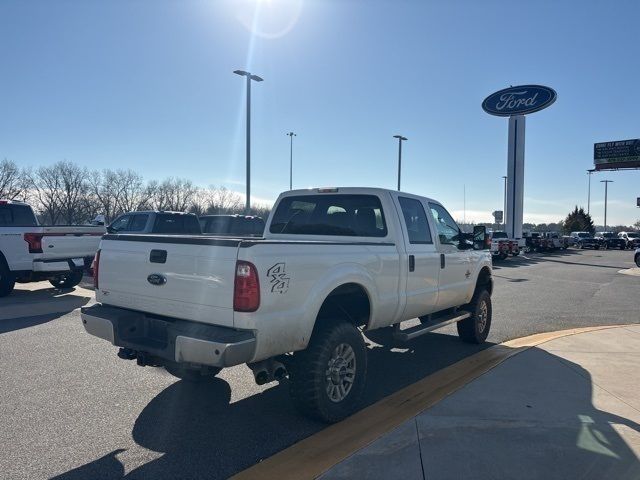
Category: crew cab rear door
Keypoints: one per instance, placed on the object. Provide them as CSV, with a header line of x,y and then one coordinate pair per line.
x,y
421,259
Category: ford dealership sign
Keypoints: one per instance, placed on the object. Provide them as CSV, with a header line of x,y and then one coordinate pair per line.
x,y
519,100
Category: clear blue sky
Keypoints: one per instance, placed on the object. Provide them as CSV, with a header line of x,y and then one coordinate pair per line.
x,y
148,85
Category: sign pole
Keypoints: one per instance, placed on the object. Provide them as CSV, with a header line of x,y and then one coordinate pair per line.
x,y
515,176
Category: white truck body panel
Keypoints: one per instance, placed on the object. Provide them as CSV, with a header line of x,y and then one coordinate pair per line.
x,y
199,280
296,274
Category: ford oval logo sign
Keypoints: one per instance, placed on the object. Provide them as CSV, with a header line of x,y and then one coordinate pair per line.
x,y
156,279
519,100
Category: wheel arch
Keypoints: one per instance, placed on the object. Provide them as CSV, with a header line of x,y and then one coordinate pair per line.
x,y
349,301
484,280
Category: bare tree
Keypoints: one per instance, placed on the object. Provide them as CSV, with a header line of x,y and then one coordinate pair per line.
x,y
175,194
118,191
132,193
45,184
13,182
220,200
61,193
101,187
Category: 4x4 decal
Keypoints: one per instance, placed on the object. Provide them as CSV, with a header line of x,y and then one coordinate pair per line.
x,y
278,278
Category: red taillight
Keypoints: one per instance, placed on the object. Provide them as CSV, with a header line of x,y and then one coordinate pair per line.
x,y
35,242
96,268
246,292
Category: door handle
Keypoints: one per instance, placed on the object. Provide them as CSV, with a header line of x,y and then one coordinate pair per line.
x,y
412,263
442,260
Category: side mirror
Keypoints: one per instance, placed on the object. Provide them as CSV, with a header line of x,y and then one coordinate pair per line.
x,y
110,229
480,238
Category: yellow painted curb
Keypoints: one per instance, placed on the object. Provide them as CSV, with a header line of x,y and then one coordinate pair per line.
x,y
314,455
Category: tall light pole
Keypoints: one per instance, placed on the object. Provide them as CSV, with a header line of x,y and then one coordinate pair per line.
x,y
589,172
606,184
400,140
291,135
257,79
504,203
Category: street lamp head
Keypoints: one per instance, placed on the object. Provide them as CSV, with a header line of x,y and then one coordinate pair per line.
x,y
291,134
400,137
606,181
241,72
256,78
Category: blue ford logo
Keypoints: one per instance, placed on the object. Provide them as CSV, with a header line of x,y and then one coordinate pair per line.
x,y
519,100
156,279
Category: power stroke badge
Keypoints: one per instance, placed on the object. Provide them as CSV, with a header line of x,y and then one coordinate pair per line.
x,y
278,278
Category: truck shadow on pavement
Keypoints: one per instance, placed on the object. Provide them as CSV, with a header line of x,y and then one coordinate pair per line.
x,y
25,308
200,434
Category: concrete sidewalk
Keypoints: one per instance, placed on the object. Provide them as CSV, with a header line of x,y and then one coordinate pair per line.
x,y
568,408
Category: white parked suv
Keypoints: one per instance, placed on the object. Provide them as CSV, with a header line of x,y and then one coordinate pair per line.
x,y
30,252
332,262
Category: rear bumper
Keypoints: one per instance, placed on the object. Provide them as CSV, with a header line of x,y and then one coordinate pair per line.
x,y
167,340
58,265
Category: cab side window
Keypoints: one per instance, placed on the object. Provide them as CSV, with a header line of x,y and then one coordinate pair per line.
x,y
447,228
416,220
120,224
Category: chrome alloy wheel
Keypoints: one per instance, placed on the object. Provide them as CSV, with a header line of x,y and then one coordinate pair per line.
x,y
341,372
483,315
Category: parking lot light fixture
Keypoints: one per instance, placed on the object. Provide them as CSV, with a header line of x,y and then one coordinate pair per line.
x,y
589,172
400,140
255,78
606,184
291,135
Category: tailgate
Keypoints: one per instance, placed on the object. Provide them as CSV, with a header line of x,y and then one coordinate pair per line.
x,y
190,278
69,245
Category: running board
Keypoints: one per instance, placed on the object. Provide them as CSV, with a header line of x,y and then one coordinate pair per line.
x,y
429,326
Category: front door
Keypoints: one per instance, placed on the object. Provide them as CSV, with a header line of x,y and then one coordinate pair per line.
x,y
455,265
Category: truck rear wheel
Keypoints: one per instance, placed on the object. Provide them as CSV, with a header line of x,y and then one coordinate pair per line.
x,y
328,378
7,279
68,280
475,329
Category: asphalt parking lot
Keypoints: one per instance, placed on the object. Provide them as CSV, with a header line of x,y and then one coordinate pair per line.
x,y
72,410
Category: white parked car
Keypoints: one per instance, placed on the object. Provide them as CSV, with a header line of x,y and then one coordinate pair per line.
x,y
331,262
30,252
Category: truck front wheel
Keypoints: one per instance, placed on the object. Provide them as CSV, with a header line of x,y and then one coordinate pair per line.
x,y
7,279
328,378
475,329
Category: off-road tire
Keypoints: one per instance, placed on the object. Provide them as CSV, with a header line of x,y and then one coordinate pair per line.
x,y
475,329
310,378
192,375
638,260
7,279
68,280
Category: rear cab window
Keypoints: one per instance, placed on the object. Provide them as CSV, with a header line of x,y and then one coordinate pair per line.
x,y
334,215
17,216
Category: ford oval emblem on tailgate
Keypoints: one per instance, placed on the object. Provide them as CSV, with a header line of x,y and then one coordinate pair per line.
x,y
156,279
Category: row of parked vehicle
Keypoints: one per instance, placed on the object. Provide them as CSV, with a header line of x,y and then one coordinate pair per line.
x,y
30,252
605,240
502,246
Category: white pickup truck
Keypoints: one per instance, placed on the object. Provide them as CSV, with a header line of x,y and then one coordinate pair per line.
x,y
30,252
332,262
